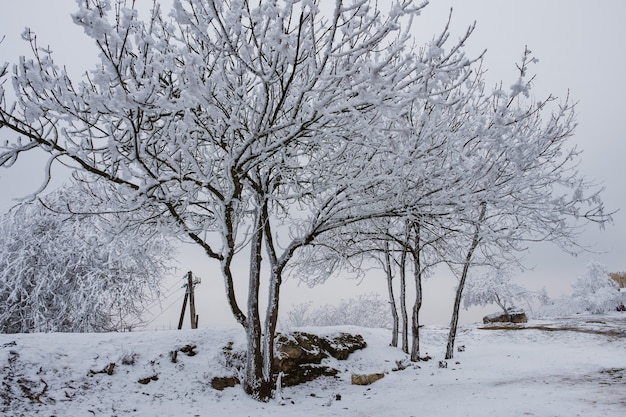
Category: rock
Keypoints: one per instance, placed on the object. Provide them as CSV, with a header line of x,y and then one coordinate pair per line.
x,y
513,315
342,345
305,373
297,349
221,383
299,355
188,350
147,380
366,379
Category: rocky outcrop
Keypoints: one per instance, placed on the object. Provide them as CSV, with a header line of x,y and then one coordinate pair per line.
x,y
299,355
342,345
512,315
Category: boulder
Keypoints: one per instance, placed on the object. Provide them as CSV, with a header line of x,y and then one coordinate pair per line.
x,y
221,383
342,345
297,349
366,379
512,315
299,355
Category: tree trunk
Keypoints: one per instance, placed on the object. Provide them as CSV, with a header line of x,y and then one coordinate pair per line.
x,y
415,323
271,317
459,291
255,383
417,273
392,298
227,272
271,321
403,311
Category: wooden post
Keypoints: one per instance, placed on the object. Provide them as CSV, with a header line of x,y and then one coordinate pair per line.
x,y
189,295
192,301
182,313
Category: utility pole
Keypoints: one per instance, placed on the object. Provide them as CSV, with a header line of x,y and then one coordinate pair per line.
x,y
189,295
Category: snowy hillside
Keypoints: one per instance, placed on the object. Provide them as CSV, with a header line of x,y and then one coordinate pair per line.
x,y
565,367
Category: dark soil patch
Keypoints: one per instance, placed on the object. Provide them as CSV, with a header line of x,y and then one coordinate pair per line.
x,y
621,333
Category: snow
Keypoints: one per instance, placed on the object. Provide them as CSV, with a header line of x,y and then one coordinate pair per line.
x,y
569,366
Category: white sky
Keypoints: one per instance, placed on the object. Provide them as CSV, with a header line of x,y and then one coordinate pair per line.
x,y
579,45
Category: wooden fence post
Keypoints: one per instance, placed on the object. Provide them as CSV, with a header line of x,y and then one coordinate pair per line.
x,y
192,301
189,295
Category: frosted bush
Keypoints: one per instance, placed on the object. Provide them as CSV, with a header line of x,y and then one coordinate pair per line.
x,y
595,292
68,272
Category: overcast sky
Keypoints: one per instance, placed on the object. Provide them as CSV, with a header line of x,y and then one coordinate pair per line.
x,y
579,45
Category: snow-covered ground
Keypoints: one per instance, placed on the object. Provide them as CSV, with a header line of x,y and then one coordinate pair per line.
x,y
562,367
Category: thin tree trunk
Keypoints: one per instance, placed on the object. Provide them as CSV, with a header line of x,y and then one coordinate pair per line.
x,y
392,298
415,323
271,317
459,291
417,273
403,310
227,273
271,321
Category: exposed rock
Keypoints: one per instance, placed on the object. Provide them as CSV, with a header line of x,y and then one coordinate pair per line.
x,y
299,355
305,373
147,380
221,383
342,345
188,350
511,316
366,379
297,349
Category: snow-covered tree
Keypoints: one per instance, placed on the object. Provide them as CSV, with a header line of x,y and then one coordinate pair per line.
x,y
75,272
238,125
595,291
496,287
527,187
